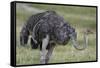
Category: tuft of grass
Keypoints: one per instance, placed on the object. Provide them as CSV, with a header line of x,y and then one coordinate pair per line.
x,y
27,56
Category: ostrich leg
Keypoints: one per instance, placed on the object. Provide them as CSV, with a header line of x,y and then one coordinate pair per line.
x,y
49,53
43,52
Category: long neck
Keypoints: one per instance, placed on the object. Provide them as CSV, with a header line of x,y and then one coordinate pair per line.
x,y
76,44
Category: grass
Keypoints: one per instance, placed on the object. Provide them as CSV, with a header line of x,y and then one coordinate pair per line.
x,y
80,18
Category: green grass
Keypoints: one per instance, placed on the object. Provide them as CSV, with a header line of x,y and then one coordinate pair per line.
x,y
80,18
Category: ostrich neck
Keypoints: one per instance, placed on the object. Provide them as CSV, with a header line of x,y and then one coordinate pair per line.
x,y
85,39
76,44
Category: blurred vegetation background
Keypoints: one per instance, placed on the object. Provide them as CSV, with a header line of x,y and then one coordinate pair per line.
x,y
81,18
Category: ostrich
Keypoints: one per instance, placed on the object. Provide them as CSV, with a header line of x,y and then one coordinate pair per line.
x,y
48,29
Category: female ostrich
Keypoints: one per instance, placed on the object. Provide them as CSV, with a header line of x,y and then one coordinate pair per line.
x,y
48,29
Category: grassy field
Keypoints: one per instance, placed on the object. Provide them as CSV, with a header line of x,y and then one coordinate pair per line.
x,y
81,18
